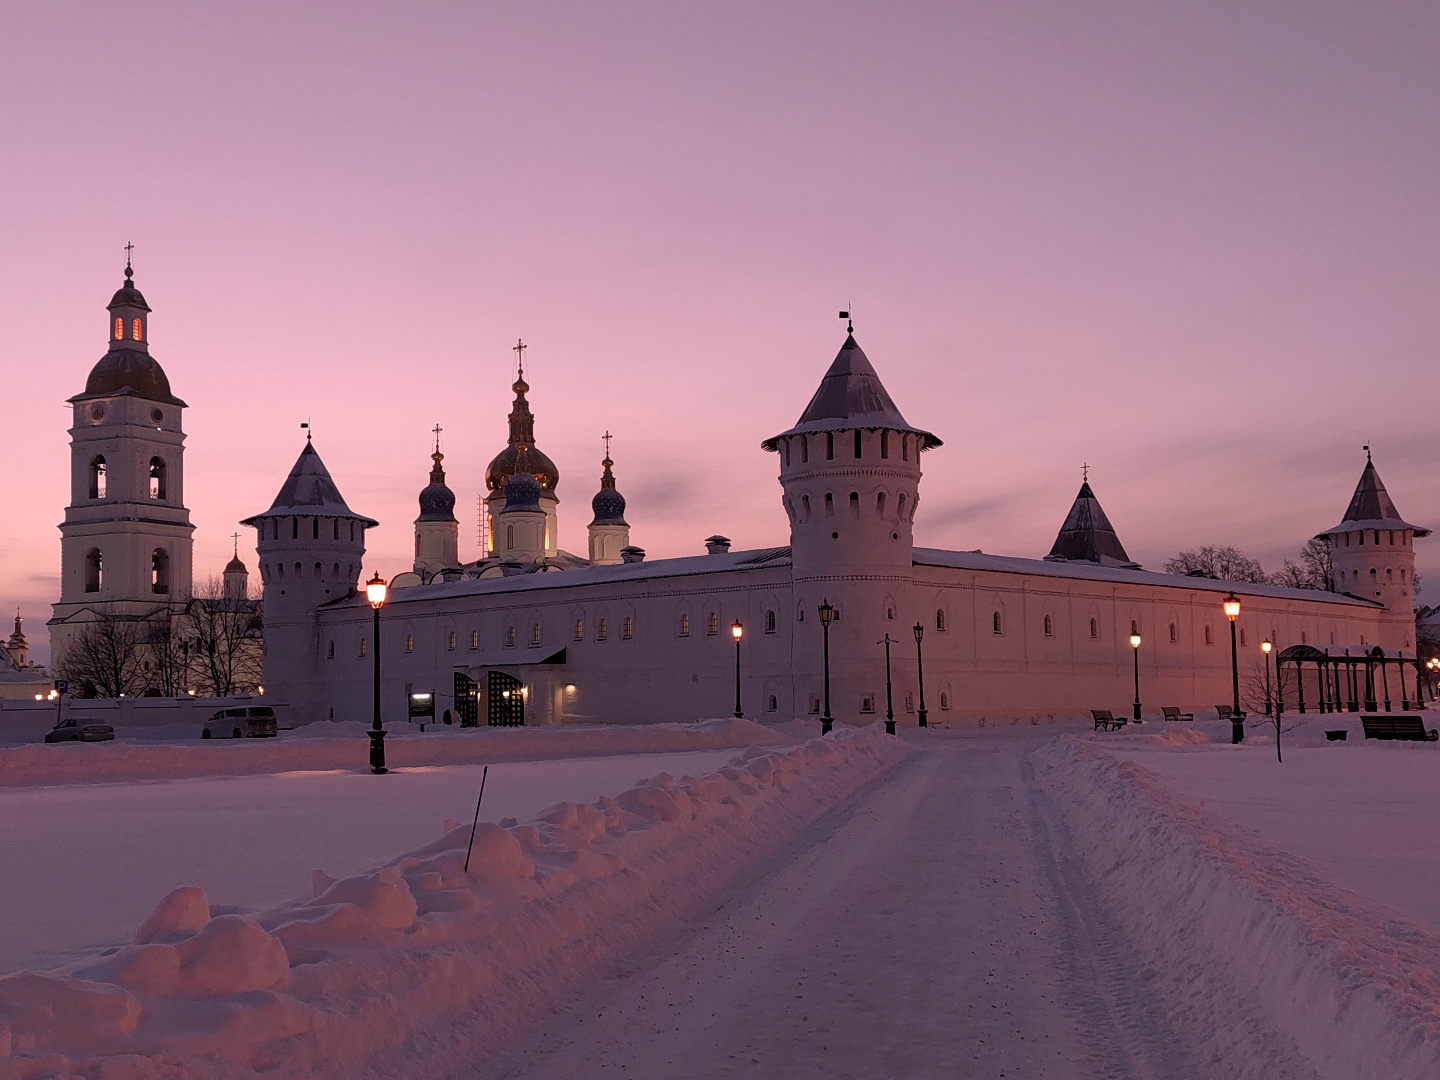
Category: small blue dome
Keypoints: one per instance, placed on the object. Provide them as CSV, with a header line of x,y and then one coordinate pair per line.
x,y
609,507
437,502
522,492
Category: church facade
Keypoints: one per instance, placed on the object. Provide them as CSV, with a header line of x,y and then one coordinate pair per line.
x,y
528,632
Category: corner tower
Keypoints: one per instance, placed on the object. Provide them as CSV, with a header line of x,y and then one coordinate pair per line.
x,y
850,472
125,543
310,546
1372,554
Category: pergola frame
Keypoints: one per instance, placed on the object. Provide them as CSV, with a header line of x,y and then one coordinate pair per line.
x,y
1348,683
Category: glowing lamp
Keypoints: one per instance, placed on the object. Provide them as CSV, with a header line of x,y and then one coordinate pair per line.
x,y
1265,647
1134,641
375,591
737,631
1232,607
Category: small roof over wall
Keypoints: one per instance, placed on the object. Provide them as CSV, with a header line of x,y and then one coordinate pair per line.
x,y
1088,536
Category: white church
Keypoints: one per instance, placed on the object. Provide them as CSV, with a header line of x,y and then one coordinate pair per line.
x,y
532,634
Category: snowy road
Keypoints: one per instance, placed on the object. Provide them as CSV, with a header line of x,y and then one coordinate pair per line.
x,y
931,926
85,863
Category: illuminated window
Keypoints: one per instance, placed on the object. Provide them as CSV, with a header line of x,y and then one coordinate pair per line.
x,y
627,627
602,630
119,328
684,625
579,629
712,624
409,643
135,329
474,639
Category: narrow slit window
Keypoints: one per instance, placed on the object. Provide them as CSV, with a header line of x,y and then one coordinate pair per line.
x,y
854,504
804,449
858,444
884,444
627,627
580,629
450,641
684,625
119,328
829,446
1094,629
602,630
996,623
880,504
1049,626
712,624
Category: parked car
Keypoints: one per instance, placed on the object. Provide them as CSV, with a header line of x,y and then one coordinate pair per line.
x,y
254,721
80,729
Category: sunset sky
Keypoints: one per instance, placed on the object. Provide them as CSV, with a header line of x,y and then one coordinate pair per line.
x,y
1194,245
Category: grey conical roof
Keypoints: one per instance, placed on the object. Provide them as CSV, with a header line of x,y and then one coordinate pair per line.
x,y
1088,536
851,395
1371,506
309,492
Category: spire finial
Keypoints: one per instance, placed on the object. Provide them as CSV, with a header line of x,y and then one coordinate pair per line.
x,y
236,538
1366,448
129,273
607,437
1084,473
519,350
437,429
305,427
849,322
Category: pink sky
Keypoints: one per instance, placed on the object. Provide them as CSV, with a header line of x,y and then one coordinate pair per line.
x,y
1193,245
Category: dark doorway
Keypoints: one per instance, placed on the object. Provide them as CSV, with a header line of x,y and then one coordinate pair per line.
x,y
467,704
506,700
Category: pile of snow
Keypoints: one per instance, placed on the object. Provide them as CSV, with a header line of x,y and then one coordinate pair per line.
x,y
1226,918
417,968
345,745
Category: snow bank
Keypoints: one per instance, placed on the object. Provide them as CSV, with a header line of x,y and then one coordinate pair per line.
x,y
1237,929
418,968
345,746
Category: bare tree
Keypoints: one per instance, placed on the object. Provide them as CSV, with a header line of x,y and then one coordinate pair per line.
x,y
1221,563
225,640
1313,571
104,657
167,657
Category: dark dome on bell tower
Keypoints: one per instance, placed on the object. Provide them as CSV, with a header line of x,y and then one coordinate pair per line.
x,y
128,367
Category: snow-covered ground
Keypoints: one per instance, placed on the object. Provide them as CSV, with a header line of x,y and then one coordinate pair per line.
x,y
85,863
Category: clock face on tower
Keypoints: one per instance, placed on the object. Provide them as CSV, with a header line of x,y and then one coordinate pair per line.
x,y
156,415
97,411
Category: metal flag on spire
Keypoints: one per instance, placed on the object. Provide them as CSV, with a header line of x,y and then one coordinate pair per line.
x,y
305,427
849,322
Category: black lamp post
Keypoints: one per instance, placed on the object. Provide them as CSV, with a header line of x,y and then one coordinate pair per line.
x,y
375,593
737,631
889,698
1265,647
1135,647
1237,721
920,668
827,616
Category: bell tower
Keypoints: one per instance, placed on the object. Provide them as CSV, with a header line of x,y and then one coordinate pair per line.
x,y
125,543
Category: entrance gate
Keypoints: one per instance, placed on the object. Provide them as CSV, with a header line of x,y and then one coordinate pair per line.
x,y
467,705
506,700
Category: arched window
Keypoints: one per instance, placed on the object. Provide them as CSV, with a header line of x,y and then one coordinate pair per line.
x,y
534,634
880,504
450,641
97,477
904,447
804,449
280,569
684,625
939,618
900,507
890,611
135,329
884,444
509,637
1049,626
829,446
474,639
294,528
335,572
160,571
769,622
829,505
119,328
335,528
805,507
1209,636
93,565
602,629
854,504
157,478
944,700
996,624
509,537
580,629
1172,632
627,627
319,572
857,444
712,624
772,703
1094,628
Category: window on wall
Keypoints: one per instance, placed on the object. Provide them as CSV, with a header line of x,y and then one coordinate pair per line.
x,y
684,625
335,529
712,624
409,643
884,444
854,504
857,444
627,627
770,621
829,446
534,634
579,629
904,447
880,504
1049,626
1134,626
805,507
330,652
995,623
1172,632
135,329
939,618
829,505
944,700
1242,635
294,528
474,639
160,571
1305,640
602,629
1094,628
800,612
786,446
890,611
93,569
900,507
119,328
509,537
1209,636
157,478
450,641
362,647
867,703
772,703
97,477
814,703
909,701
509,637
319,572
804,449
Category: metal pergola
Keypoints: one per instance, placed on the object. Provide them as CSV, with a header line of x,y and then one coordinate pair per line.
x,y
1348,683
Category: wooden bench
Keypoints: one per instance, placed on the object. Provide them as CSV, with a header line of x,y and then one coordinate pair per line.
x,y
1173,712
1106,721
1227,712
1402,727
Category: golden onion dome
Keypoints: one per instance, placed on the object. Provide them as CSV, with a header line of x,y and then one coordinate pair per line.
x,y
522,436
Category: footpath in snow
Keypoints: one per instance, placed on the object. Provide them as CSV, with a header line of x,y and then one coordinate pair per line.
x,y
418,968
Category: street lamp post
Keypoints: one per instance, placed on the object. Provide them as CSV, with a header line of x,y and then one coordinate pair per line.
x,y
375,593
1237,721
827,616
1265,647
737,631
1135,646
920,669
889,697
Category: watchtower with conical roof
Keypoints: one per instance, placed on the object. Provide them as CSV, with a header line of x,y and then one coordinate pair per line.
x,y
850,473
1372,555
437,533
125,544
310,546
